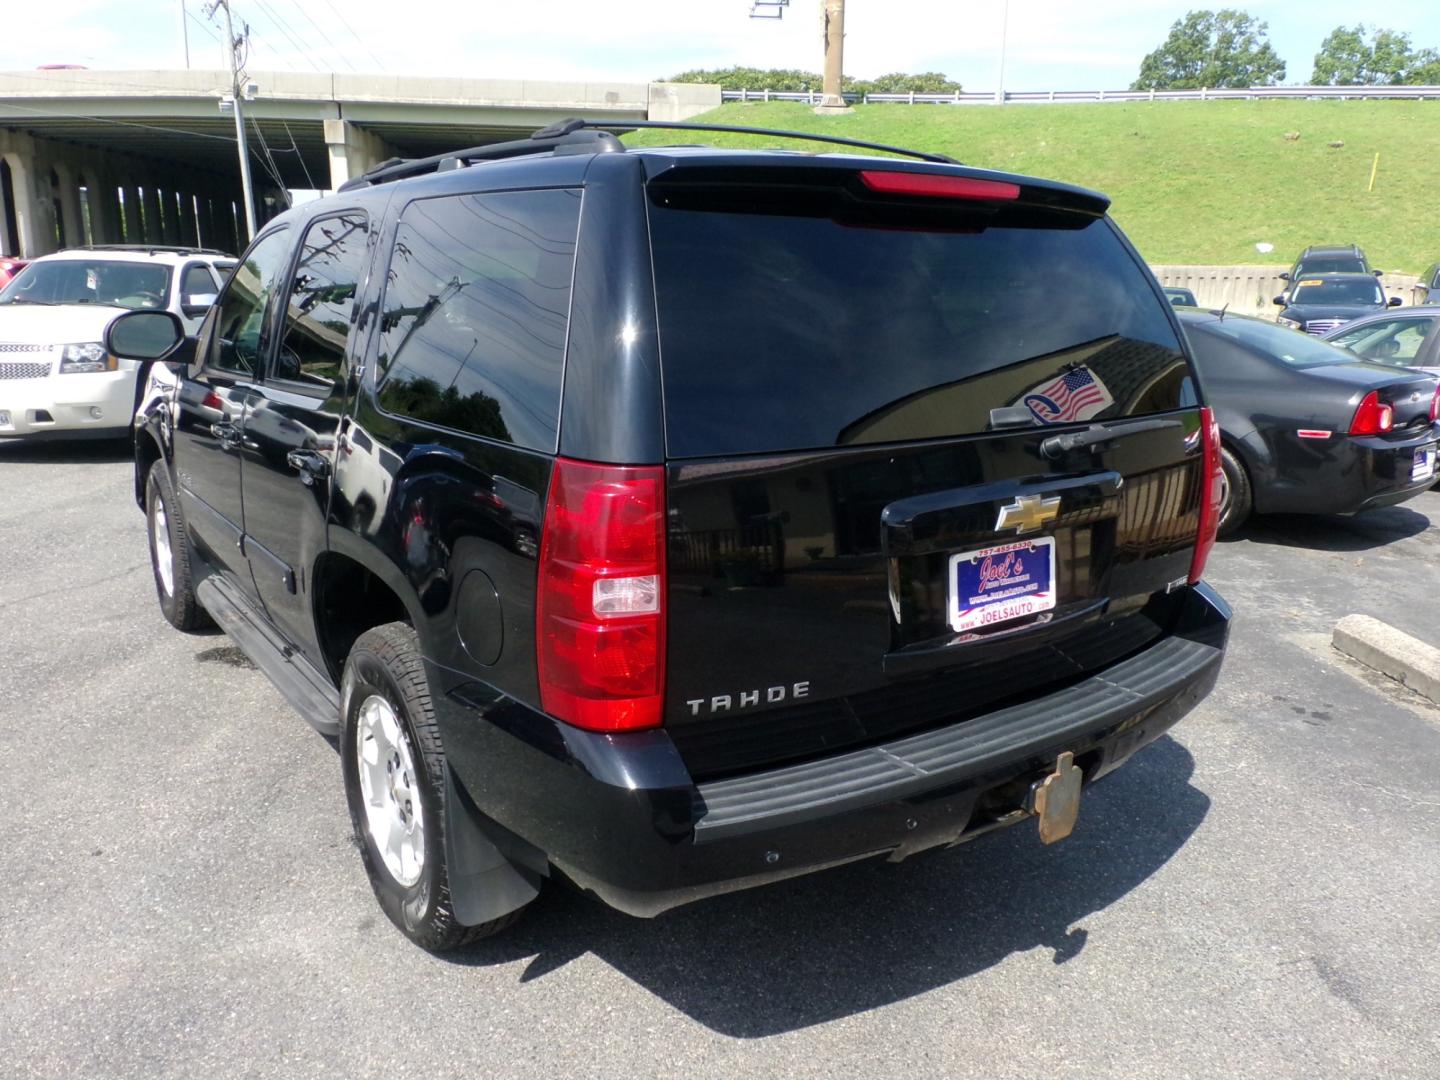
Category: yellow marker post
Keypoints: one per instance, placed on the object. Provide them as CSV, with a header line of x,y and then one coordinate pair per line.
x,y
1373,170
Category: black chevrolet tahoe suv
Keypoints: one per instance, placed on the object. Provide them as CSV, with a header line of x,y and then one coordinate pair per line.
x,y
675,520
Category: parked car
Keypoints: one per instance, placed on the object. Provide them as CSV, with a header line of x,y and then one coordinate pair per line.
x,y
9,267
1306,428
882,563
1329,259
1429,284
1178,296
56,376
1318,304
1406,338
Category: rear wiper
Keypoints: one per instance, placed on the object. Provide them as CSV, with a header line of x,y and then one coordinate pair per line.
x,y
1098,434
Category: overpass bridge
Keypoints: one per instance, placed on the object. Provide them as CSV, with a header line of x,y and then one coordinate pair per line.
x,y
150,156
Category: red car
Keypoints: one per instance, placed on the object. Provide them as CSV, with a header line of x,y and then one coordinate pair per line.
x,y
9,268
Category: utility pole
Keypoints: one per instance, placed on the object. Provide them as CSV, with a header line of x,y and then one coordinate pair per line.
x,y
236,95
1004,34
834,98
184,35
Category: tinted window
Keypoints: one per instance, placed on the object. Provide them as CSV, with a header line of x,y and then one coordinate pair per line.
x,y
75,281
198,281
784,332
240,328
1290,347
1351,291
1340,264
322,301
475,313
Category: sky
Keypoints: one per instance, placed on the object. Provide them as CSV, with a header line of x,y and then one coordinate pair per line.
x,y
1050,44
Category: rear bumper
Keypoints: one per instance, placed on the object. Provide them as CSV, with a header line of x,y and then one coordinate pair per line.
x,y
1359,474
620,816
68,401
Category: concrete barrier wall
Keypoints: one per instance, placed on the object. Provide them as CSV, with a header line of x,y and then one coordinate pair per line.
x,y
1250,289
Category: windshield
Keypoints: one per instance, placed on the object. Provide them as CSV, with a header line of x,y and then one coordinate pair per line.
x,y
1351,291
75,281
1291,347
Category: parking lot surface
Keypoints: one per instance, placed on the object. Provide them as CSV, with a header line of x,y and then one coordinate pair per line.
x,y
1256,895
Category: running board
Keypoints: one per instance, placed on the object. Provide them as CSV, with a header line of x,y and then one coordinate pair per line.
x,y
304,687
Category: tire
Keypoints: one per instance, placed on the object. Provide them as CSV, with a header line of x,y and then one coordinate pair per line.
x,y
170,554
410,878
1239,502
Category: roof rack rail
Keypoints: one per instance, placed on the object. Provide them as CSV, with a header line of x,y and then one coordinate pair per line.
x,y
568,126
153,249
593,136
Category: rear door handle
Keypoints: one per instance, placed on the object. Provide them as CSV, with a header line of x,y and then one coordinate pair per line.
x,y
311,466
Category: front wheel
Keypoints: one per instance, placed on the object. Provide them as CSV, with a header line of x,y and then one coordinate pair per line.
x,y
170,554
395,785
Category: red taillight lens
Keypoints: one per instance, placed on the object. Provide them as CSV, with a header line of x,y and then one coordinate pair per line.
x,y
1435,406
1372,417
600,614
941,187
1212,481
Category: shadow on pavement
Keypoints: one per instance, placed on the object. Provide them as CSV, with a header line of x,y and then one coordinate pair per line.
x,y
1374,528
845,941
64,452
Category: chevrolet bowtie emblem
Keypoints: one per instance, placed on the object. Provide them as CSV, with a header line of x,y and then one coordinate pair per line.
x,y
1028,513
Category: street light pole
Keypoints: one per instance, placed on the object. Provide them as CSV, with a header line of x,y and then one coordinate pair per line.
x,y
235,95
1004,34
184,35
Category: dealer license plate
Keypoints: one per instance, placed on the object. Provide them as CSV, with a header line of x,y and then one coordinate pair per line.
x,y
997,584
1423,467
4,417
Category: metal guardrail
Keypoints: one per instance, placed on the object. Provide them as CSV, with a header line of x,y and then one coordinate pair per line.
x,y
965,97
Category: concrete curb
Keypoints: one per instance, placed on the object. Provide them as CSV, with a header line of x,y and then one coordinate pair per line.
x,y
1378,645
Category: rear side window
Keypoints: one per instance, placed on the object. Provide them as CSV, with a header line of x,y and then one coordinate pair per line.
x,y
784,332
475,313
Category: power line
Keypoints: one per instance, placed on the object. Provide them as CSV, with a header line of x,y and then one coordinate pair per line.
x,y
321,31
303,167
286,30
358,39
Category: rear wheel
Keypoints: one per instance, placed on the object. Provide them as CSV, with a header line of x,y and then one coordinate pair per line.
x,y
170,554
394,767
1236,500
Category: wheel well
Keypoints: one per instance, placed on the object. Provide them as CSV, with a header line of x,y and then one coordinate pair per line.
x,y
147,452
349,599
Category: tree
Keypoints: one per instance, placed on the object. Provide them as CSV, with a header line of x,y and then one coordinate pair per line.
x,y
1212,48
1355,56
791,80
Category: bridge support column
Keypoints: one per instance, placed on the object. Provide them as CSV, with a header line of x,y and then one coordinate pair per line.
x,y
154,232
34,227
352,151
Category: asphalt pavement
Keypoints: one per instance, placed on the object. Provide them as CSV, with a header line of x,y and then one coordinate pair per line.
x,y
1256,895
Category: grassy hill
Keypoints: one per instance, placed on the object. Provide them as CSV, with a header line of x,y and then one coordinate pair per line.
x,y
1192,182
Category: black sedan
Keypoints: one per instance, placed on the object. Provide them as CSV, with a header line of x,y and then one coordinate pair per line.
x,y
1306,427
1321,302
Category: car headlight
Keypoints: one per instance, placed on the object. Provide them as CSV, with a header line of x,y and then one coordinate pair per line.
x,y
85,358
1291,323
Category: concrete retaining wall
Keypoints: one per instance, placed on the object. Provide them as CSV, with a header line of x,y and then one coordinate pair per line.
x,y
1250,289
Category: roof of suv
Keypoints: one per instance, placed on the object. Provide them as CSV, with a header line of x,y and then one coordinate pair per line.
x,y
1324,250
136,252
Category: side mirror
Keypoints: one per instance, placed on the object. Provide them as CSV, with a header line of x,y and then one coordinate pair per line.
x,y
1285,276
1378,273
196,304
1395,301
145,335
1279,301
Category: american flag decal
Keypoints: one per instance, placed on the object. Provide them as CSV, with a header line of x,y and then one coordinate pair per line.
x,y
1074,396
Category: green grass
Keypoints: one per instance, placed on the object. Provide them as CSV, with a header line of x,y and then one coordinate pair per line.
x,y
1191,182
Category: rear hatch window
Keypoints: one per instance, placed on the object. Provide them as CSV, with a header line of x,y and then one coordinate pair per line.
x,y
786,330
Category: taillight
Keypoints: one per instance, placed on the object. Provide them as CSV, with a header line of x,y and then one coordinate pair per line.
x,y
1435,406
1372,417
600,607
1212,484
934,186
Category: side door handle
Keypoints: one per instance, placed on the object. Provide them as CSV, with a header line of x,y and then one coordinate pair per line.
x,y
311,466
226,433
